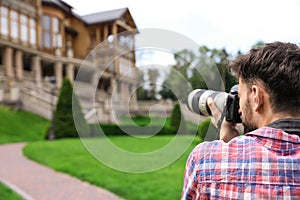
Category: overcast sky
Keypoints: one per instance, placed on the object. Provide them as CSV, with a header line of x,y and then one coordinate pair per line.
x,y
231,24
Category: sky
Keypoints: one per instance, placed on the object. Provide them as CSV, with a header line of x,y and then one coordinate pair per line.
x,y
232,24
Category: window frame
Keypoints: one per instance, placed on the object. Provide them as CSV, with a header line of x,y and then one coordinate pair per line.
x,y
4,18
32,25
51,36
14,24
24,28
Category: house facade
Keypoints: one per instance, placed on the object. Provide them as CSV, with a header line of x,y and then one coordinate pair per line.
x,y
40,39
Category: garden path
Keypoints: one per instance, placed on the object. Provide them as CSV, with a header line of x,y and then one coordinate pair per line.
x,y
34,181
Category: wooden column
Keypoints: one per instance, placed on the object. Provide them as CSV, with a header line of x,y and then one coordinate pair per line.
x,y
98,35
115,53
105,32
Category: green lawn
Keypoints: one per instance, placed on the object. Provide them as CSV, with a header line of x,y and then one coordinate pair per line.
x,y
70,156
8,194
20,126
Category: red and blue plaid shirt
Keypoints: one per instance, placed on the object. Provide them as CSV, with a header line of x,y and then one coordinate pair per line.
x,y
263,164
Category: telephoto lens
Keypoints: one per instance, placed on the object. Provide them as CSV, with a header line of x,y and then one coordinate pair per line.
x,y
197,101
227,103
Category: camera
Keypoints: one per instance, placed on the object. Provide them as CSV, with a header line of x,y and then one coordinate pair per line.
x,y
227,103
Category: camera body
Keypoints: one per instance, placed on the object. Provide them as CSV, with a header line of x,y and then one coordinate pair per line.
x,y
225,102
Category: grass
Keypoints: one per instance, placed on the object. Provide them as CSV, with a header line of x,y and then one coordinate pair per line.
x,y
21,126
70,156
8,194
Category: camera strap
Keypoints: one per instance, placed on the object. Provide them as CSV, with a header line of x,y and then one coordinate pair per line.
x,y
220,121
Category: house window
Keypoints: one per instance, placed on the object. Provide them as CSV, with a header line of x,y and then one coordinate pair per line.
x,y
51,37
32,29
24,28
4,20
57,39
46,25
14,26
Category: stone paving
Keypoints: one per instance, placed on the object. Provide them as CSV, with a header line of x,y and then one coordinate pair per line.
x,y
34,181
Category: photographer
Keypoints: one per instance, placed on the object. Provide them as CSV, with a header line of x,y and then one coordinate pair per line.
x,y
264,163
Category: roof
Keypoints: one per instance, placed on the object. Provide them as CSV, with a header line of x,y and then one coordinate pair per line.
x,y
105,16
58,3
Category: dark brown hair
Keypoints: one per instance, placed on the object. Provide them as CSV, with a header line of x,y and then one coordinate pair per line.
x,y
277,66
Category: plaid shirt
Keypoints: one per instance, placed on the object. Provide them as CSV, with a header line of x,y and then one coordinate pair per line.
x,y
263,164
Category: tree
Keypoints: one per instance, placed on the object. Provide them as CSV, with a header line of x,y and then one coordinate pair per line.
x,y
205,69
258,43
166,92
64,125
197,80
177,85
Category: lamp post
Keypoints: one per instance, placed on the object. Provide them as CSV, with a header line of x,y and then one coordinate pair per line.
x,y
52,80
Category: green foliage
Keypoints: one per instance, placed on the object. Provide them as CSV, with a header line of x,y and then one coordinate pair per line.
x,y
64,125
141,120
197,80
177,120
166,91
70,156
203,128
21,126
142,94
258,43
200,70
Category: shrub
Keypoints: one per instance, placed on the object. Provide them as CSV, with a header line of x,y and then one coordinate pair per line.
x,y
203,128
141,120
63,120
177,120
113,129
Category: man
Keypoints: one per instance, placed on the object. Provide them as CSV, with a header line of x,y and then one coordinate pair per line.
x,y
265,162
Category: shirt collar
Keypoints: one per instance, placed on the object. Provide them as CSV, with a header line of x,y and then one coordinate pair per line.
x,y
283,129
288,125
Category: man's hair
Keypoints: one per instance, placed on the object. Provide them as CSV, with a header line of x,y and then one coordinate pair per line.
x,y
277,66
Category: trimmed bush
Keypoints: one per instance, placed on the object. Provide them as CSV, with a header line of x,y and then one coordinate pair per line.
x,y
203,128
141,120
113,129
176,119
64,126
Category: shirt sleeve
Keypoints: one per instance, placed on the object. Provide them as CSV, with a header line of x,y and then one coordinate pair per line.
x,y
189,190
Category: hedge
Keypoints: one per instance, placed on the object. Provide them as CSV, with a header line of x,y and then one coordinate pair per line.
x,y
113,129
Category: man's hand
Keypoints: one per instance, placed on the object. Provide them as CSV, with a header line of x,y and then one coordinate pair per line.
x,y
228,130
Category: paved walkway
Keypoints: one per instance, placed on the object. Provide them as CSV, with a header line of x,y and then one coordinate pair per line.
x,y
36,182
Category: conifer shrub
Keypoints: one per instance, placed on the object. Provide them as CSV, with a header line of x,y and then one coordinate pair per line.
x,y
177,120
63,119
203,128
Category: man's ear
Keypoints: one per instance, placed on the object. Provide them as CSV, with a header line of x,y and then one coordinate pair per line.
x,y
258,95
